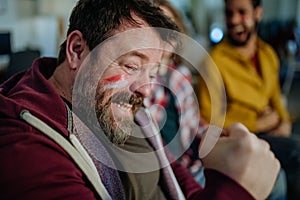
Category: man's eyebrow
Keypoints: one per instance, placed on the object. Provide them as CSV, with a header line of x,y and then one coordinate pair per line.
x,y
138,54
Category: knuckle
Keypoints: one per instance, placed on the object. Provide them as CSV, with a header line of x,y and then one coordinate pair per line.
x,y
274,161
245,142
265,144
277,165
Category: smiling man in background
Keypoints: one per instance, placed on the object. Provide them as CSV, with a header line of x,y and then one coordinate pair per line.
x,y
249,69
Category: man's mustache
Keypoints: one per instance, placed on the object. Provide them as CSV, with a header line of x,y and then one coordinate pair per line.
x,y
129,98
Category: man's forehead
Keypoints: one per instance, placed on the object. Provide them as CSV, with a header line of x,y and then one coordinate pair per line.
x,y
238,2
145,55
136,39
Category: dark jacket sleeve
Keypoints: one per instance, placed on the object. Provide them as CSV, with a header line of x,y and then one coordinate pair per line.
x,y
217,186
34,167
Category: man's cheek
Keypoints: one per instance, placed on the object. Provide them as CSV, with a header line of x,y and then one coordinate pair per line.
x,y
248,22
115,82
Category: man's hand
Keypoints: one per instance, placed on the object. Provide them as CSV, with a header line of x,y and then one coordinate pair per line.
x,y
284,129
243,157
268,120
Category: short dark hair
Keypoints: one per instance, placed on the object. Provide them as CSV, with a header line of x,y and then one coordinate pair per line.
x,y
255,3
96,19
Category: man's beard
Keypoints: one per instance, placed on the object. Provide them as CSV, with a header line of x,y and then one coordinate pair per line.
x,y
237,42
117,128
244,42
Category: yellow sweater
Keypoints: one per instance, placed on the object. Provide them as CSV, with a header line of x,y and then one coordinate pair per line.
x,y
247,93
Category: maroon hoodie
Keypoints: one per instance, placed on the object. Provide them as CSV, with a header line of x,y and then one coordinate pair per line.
x,y
32,166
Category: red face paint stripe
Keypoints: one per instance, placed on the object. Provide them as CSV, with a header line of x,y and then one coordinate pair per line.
x,y
115,78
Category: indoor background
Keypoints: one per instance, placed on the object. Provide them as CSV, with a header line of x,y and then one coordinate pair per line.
x,y
41,25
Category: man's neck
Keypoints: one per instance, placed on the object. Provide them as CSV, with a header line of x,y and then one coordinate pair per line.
x,y
60,80
250,48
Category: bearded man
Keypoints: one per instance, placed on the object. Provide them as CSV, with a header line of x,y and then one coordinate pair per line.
x,y
249,68
73,127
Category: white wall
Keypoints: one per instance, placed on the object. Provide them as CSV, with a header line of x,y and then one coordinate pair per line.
x,y
8,13
298,14
40,32
36,23
28,19
8,16
206,12
279,9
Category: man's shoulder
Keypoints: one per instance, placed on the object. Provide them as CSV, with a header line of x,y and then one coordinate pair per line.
x,y
268,52
223,53
221,48
265,46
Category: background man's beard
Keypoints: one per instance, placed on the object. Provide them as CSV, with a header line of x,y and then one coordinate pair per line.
x,y
239,43
243,43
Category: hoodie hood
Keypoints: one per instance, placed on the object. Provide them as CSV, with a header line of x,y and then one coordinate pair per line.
x,y
31,90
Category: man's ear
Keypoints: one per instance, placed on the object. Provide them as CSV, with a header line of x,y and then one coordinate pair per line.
x,y
258,13
76,49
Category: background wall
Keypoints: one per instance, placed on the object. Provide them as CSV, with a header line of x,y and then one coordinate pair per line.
x,y
36,24
206,12
42,23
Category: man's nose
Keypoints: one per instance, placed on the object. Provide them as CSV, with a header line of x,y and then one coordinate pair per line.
x,y
235,18
141,88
